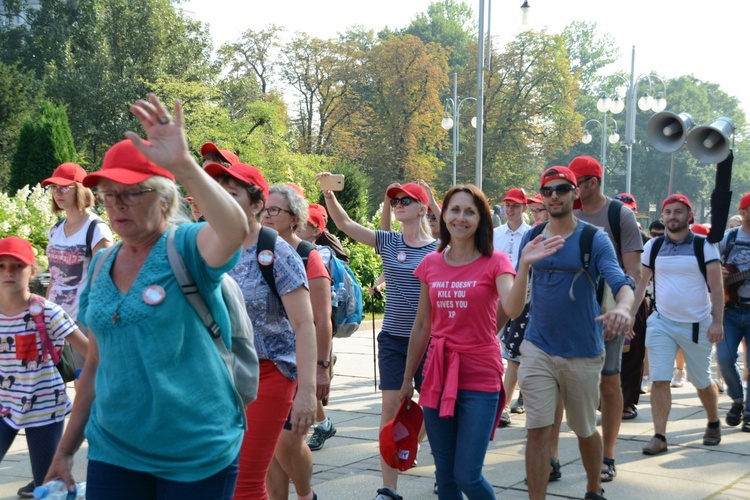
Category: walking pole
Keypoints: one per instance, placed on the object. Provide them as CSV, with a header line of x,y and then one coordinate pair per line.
x,y
379,296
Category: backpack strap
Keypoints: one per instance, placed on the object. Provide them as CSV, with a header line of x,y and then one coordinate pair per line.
x,y
698,246
94,272
586,243
90,236
267,241
613,217
655,247
36,310
731,239
303,250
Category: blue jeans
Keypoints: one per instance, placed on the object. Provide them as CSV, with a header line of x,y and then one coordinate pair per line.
x,y
42,442
736,327
459,444
110,482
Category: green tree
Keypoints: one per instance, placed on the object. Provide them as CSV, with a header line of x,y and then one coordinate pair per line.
x,y
254,55
19,97
43,144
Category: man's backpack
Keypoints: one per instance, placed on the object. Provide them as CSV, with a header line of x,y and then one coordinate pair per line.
x,y
89,234
586,244
242,361
346,292
698,246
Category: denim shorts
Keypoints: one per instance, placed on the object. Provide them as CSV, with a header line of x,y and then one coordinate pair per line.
x,y
392,362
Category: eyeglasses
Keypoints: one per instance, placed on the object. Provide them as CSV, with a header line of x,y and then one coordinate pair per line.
x,y
430,217
274,211
625,199
560,189
538,210
127,198
60,189
403,201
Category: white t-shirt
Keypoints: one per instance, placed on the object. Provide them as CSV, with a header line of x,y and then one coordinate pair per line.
x,y
508,241
68,266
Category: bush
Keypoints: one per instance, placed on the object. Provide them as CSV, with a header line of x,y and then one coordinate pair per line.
x,y
367,266
28,215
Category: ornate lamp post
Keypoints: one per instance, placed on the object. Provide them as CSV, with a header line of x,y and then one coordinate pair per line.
x,y
452,122
613,138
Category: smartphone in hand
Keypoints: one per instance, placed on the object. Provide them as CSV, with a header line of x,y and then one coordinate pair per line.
x,y
333,182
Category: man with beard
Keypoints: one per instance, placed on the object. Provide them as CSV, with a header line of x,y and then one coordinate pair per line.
x,y
687,316
563,351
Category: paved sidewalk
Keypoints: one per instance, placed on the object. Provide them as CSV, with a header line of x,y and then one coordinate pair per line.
x,y
348,466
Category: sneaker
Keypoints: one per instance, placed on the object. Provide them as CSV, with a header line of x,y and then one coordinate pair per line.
x,y
517,407
719,385
504,418
712,437
678,380
27,491
734,415
555,473
645,385
320,436
655,446
746,424
386,493
590,495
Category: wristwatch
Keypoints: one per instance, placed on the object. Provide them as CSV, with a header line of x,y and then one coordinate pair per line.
x,y
324,363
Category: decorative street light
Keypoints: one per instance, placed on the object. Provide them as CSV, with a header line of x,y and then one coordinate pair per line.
x,y
646,101
452,122
481,66
614,137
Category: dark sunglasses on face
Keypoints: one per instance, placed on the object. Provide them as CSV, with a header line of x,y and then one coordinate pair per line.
x,y
404,201
656,234
625,199
430,217
560,189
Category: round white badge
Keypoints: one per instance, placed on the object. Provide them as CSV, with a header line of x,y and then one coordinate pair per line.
x,y
154,294
401,257
36,309
265,258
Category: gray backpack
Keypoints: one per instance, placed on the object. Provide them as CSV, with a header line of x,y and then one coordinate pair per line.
x,y
242,360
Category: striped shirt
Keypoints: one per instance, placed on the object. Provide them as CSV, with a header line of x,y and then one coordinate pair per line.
x,y
402,287
32,393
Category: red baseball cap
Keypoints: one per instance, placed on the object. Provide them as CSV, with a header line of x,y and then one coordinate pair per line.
x,y
536,199
586,166
229,157
65,175
701,229
628,200
674,198
241,172
517,195
317,216
558,172
398,438
745,201
412,190
123,163
18,248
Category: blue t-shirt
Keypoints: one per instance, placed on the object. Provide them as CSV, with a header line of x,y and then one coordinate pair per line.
x,y
164,399
402,287
558,325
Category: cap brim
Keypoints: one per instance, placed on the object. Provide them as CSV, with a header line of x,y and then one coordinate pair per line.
x,y
216,169
58,181
209,147
20,257
119,175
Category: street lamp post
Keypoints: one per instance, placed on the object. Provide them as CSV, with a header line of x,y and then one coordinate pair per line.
x,y
614,137
449,123
646,101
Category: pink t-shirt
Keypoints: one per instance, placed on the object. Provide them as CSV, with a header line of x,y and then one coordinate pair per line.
x,y
464,307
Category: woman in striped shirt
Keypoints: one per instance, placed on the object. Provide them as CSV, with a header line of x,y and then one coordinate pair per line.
x,y
401,253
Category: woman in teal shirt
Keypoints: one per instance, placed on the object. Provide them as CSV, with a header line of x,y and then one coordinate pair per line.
x,y
155,398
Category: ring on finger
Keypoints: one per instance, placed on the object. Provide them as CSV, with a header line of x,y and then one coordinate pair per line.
x,y
164,120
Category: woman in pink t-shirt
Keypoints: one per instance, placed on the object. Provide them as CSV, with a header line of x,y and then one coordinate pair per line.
x,y
464,285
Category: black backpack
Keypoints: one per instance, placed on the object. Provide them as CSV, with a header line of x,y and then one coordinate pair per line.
x,y
586,244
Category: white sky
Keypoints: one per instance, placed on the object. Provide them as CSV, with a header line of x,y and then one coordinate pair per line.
x,y
671,37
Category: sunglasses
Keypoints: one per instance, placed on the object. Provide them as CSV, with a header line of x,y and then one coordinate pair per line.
x,y
60,189
404,201
656,234
430,217
538,210
625,199
560,189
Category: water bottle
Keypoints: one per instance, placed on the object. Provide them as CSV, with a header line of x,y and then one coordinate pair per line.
x,y
57,490
341,294
334,297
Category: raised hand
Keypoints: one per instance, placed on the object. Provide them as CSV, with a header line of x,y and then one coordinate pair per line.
x,y
539,248
168,146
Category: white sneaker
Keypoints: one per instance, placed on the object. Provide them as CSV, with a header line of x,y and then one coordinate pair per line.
x,y
645,385
678,379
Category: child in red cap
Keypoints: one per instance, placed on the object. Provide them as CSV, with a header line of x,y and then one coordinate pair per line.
x,y
32,392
